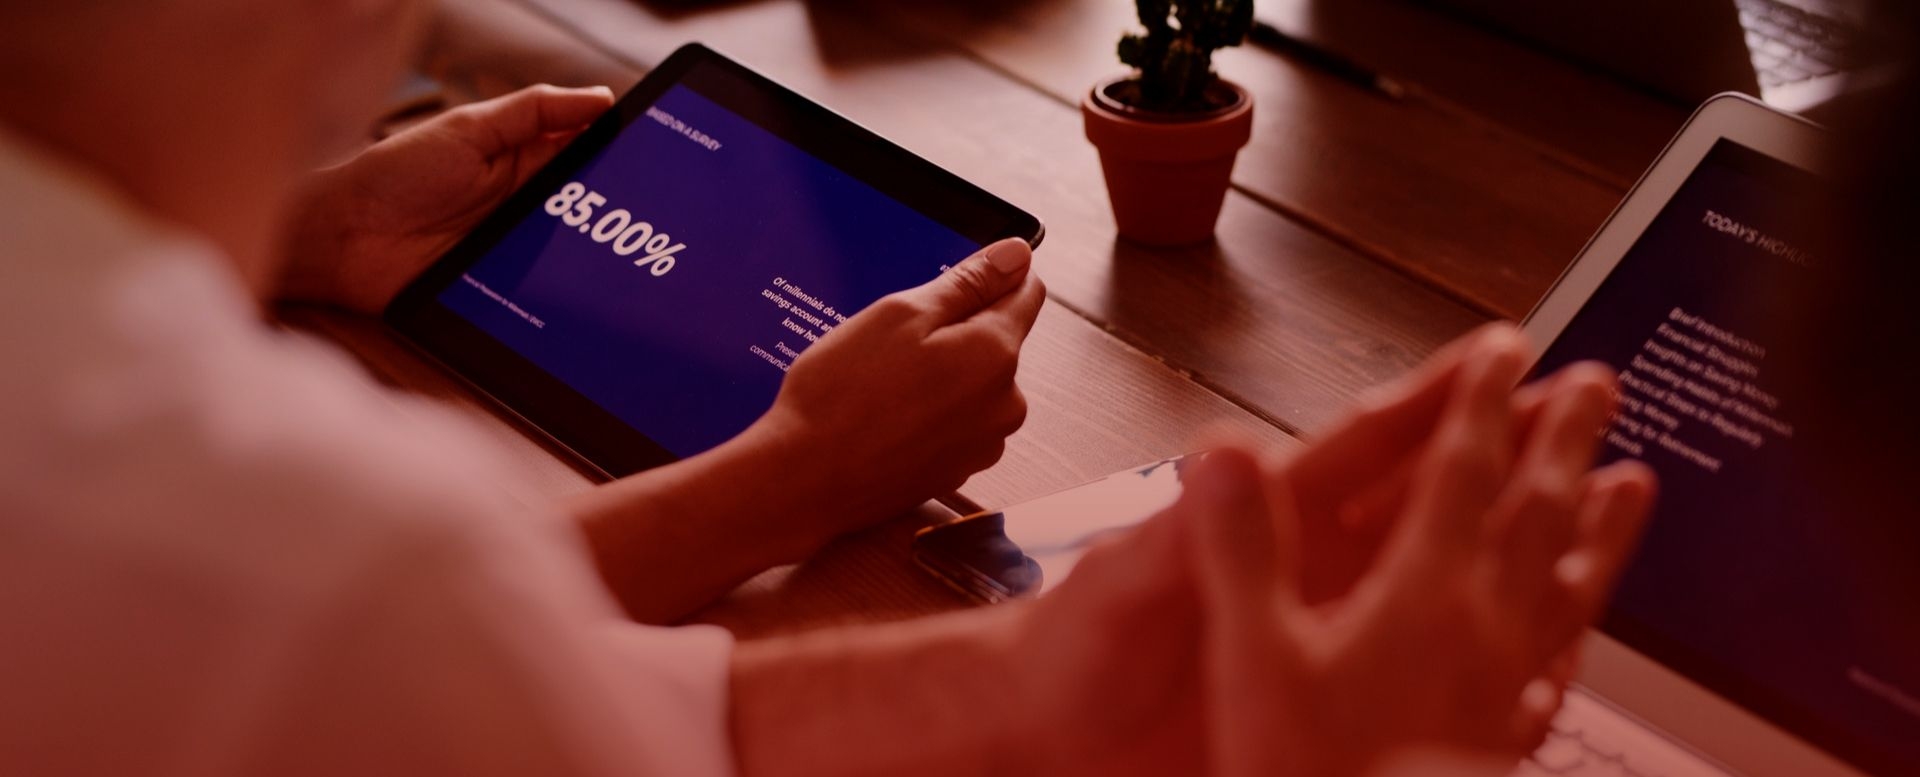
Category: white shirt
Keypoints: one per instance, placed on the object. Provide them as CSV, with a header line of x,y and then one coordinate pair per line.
x,y
222,551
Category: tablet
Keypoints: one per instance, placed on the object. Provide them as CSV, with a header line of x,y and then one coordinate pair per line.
x,y
1744,626
641,298
1028,549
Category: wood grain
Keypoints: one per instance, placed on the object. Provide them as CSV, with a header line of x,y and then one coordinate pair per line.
x,y
1099,405
1274,316
1486,215
1069,363
1589,122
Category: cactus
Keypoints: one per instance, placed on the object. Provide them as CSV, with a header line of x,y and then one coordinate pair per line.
x,y
1175,53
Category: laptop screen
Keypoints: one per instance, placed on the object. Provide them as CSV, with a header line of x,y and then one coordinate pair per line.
x,y
1751,580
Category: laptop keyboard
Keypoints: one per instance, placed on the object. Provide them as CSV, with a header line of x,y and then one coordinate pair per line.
x,y
1790,44
1592,739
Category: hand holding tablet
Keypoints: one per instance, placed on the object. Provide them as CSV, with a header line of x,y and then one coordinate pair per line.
x,y
924,378
369,227
641,299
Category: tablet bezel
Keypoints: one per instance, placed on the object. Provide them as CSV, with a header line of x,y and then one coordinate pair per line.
x,y
577,425
1657,689
1731,116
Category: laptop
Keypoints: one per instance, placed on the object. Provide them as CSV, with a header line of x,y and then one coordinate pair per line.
x,y
1795,54
1757,633
1752,635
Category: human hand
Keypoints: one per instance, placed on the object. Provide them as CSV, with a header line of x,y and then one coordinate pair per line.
x,y
1346,509
907,399
1502,558
367,228
1351,485
1197,640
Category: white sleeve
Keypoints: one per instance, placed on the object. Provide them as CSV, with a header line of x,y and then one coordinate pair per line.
x,y
493,652
227,551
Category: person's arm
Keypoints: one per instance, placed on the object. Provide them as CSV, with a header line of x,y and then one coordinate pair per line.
x,y
1106,686
671,539
898,405
1187,647
931,697
464,640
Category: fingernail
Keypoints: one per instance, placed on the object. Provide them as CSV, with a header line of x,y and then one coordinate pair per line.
x,y
1604,374
1487,333
1597,397
1511,351
1009,256
1503,337
605,91
1223,476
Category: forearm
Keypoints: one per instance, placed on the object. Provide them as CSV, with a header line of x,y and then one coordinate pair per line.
x,y
939,697
672,539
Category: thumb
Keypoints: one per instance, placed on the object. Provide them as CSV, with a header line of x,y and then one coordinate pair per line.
x,y
1239,558
505,124
977,283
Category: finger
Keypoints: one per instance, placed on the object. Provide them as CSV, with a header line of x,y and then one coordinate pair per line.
x,y
1541,699
1225,436
1014,411
1566,666
1376,503
1347,543
1533,714
1375,506
1537,517
533,157
1463,468
1015,314
510,122
975,284
1527,403
1240,557
1386,429
1592,388
1616,511
1240,562
1339,555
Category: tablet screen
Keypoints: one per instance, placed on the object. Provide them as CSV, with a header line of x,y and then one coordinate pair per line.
x,y
1751,579
674,277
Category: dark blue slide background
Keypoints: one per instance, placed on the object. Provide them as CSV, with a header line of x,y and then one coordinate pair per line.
x,y
1745,575
670,355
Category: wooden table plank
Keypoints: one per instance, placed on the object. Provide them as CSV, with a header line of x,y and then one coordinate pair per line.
x,y
1098,407
1482,76
1274,316
1098,404
1484,214
1079,379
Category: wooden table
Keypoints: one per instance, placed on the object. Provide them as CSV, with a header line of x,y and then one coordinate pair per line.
x,y
1362,232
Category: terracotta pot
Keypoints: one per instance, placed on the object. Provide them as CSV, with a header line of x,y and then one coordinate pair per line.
x,y
1167,173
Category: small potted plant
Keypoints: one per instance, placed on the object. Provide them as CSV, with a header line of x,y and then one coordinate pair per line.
x,y
1169,132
